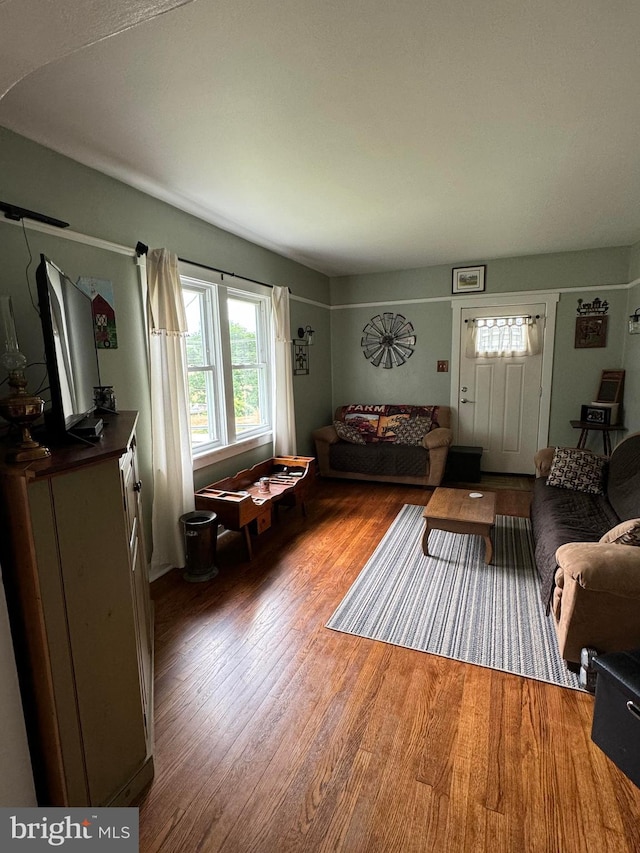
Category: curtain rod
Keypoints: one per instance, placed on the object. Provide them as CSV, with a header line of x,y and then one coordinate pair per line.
x,y
142,249
515,317
224,272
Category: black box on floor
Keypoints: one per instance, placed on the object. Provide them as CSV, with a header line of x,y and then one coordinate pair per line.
x,y
463,464
616,713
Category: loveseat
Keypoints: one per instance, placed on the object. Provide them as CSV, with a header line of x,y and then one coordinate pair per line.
x,y
390,443
585,516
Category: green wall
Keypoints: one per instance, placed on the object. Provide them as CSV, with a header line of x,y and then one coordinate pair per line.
x,y
355,380
589,268
37,178
631,361
355,299
576,372
634,262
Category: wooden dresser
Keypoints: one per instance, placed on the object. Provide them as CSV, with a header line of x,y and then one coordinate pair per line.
x,y
75,572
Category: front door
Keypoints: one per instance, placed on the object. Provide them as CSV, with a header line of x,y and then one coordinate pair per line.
x,y
499,397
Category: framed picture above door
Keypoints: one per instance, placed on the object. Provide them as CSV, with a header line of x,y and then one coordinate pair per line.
x,y
468,279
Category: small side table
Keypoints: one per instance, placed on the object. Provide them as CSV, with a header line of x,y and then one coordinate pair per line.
x,y
605,429
463,464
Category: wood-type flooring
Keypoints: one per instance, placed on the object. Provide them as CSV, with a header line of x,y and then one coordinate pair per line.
x,y
274,734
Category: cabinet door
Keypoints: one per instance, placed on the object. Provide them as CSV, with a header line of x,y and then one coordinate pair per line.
x,y
93,548
132,491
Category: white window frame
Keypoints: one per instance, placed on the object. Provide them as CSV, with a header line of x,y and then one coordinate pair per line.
x,y
217,344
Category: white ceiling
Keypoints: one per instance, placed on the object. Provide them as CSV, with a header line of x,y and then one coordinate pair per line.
x,y
356,136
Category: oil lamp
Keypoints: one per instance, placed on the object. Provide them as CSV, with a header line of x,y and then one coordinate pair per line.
x,y
19,408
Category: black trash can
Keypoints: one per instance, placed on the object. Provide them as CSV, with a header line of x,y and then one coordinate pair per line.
x,y
200,529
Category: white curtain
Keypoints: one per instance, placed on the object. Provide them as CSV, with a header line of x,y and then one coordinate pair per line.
x,y
284,421
502,337
171,438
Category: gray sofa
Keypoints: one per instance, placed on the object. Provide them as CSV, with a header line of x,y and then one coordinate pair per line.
x,y
381,458
592,587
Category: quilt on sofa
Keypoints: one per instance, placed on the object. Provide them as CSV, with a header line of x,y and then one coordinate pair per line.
x,y
389,423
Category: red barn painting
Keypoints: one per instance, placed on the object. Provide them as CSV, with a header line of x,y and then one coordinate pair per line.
x,y
104,316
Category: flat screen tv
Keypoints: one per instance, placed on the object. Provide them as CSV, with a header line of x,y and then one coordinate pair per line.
x,y
70,349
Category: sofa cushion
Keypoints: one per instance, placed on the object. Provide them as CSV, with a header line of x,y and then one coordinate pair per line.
x,y
625,533
379,459
411,431
348,433
578,470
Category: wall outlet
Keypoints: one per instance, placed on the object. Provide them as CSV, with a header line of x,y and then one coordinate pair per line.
x,y
443,367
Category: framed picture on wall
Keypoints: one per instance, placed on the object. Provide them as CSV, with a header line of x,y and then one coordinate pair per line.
x,y
300,358
591,332
468,279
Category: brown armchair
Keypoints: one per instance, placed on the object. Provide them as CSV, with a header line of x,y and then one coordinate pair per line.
x,y
596,600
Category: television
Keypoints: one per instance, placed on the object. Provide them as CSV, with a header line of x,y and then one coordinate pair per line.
x,y
70,351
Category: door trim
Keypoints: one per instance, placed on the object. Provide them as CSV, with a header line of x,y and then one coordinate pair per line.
x,y
550,301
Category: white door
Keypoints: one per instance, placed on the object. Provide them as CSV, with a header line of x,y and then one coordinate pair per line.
x,y
499,397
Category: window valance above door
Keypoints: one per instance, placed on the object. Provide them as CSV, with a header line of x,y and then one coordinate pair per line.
x,y
502,337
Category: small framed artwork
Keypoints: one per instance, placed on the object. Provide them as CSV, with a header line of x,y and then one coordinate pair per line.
x,y
468,279
596,415
591,332
300,358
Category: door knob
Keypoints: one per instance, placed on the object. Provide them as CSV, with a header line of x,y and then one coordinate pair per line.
x,y
463,400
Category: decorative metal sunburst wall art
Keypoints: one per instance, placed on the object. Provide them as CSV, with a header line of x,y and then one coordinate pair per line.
x,y
388,340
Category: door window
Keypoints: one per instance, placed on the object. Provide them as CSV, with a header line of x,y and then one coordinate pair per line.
x,y
502,337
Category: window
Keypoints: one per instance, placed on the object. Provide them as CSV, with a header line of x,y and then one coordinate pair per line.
x,y
228,344
495,337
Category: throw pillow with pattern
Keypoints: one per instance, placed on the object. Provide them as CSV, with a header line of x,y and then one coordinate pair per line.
x,y
576,469
625,533
387,428
412,431
365,423
348,433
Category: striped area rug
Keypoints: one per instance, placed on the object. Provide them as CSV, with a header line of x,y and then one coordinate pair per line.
x,y
453,604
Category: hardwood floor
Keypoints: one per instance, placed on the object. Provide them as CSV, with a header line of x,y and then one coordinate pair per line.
x,y
275,734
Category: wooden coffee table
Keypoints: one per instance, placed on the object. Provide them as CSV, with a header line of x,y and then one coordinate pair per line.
x,y
455,511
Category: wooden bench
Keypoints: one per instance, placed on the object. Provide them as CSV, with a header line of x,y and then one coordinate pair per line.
x,y
240,504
